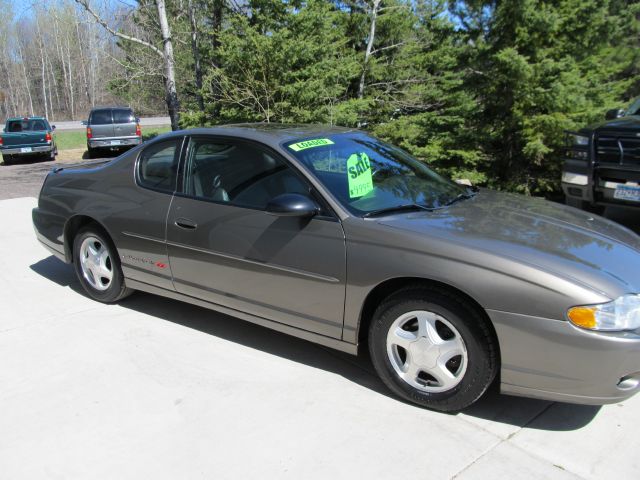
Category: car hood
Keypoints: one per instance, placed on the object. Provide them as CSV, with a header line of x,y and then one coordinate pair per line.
x,y
559,239
623,124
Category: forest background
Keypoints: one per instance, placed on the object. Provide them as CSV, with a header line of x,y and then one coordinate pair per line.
x,y
482,90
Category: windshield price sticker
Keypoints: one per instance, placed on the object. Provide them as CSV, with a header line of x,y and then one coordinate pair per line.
x,y
359,172
318,142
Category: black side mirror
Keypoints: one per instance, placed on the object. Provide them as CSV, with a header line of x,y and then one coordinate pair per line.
x,y
292,205
53,127
613,114
84,122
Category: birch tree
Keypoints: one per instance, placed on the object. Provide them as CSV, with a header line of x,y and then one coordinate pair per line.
x,y
165,54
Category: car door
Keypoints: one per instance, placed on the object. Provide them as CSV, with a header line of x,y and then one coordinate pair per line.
x,y
124,123
226,249
140,221
101,123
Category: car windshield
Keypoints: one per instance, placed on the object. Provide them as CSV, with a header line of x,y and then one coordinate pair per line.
x,y
634,108
30,125
369,177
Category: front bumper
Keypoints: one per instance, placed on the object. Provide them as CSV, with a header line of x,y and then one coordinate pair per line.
x,y
115,142
554,360
33,150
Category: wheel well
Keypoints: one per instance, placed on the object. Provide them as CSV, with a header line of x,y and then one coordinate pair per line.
x,y
71,228
388,287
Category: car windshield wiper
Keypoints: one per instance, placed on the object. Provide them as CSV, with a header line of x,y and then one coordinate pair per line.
x,y
397,208
457,198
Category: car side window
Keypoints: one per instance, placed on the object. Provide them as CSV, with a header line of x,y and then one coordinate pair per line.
x,y
158,166
238,173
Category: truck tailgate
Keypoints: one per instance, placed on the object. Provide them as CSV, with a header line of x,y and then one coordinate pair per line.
x,y
24,139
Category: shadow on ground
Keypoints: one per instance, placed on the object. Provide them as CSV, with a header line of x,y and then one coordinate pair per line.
x,y
29,160
520,412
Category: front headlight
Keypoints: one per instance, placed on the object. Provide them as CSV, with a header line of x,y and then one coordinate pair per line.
x,y
621,314
581,140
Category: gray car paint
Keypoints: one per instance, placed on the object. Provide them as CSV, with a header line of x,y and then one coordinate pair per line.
x,y
524,261
118,131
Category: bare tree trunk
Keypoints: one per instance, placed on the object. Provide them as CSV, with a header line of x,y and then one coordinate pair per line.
x,y
171,93
70,70
375,7
195,49
83,64
26,78
43,69
55,85
173,104
12,96
60,53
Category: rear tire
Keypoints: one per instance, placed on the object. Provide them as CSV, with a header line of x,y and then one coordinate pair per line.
x,y
91,152
7,159
432,348
97,265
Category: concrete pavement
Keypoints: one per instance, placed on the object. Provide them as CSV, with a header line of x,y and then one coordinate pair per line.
x,y
154,388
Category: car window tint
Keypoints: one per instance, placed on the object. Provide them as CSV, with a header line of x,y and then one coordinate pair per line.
x,y
14,126
100,117
158,165
239,174
26,125
123,116
37,125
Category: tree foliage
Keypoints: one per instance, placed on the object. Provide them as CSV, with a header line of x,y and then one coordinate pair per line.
x,y
479,89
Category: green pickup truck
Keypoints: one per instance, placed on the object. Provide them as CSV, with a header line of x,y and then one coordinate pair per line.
x,y
27,137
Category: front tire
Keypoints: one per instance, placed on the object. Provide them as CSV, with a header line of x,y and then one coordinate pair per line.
x,y
97,266
433,348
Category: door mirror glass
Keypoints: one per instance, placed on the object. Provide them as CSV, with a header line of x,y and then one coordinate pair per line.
x,y
292,205
613,114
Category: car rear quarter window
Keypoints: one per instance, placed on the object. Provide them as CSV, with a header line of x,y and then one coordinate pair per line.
x,y
158,166
123,116
100,117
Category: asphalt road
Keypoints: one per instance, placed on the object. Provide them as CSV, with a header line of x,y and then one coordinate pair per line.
x,y
25,180
144,121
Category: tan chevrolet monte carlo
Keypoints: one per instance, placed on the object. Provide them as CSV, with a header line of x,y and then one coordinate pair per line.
x,y
331,235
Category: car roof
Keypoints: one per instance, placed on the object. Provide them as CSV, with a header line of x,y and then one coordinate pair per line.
x,y
115,107
270,133
12,119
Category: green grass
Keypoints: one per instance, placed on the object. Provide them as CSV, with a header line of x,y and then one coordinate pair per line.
x,y
67,140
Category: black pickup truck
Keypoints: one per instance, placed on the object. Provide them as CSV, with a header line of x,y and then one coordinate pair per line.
x,y
602,162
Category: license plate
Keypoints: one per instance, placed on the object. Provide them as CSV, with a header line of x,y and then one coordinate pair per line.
x,y
26,150
115,142
625,192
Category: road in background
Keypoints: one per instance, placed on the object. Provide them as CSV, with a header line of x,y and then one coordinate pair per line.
x,y
144,121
